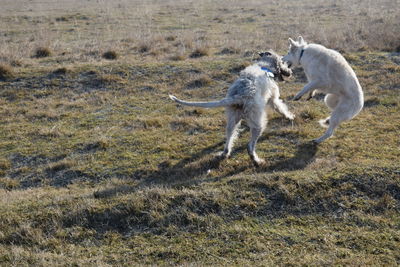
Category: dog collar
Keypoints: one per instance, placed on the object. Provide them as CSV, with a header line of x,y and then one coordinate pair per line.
x,y
268,71
301,54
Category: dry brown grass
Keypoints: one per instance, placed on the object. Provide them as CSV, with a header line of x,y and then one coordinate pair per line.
x,y
230,50
200,81
111,55
6,72
224,26
104,162
99,167
61,71
200,52
170,38
178,57
41,52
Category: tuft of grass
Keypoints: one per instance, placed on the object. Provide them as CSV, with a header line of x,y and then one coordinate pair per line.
x,y
110,79
391,68
144,47
229,51
42,52
4,164
16,63
239,67
8,183
202,80
170,38
200,52
308,115
101,144
61,71
111,55
6,72
62,18
58,166
218,20
178,57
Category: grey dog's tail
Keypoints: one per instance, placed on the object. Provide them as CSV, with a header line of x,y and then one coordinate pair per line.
x,y
213,104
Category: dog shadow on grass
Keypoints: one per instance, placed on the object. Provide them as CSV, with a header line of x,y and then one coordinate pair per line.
x,y
182,173
194,169
304,155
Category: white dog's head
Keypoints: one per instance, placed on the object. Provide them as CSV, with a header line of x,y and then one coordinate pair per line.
x,y
294,54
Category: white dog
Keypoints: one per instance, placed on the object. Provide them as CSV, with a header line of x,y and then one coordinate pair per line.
x,y
328,72
247,98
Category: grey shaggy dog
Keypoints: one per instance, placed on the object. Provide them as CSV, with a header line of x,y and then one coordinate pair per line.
x,y
247,98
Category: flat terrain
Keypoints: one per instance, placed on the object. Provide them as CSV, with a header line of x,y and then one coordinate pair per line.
x,y
99,168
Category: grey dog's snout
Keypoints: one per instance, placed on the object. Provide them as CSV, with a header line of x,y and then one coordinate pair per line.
x,y
285,69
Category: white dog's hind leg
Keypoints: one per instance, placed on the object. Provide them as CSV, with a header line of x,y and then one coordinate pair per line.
x,y
331,101
233,122
327,134
341,113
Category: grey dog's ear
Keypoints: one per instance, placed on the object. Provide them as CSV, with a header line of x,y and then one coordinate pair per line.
x,y
261,54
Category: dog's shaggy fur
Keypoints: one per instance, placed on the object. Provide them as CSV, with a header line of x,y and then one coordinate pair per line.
x,y
247,98
328,72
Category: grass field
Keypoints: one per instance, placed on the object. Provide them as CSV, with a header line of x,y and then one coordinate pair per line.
x,y
99,168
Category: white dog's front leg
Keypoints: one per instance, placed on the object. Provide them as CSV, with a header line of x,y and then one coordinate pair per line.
x,y
311,94
307,88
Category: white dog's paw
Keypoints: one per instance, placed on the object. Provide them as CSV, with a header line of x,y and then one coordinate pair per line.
x,y
297,97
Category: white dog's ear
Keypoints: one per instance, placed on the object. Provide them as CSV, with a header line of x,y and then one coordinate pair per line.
x,y
292,43
300,40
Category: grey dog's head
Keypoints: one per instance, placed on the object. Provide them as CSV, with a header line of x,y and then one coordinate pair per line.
x,y
273,62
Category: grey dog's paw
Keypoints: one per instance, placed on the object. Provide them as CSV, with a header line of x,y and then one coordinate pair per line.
x,y
222,155
291,116
259,162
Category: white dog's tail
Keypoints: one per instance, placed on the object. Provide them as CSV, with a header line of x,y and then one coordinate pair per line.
x,y
213,104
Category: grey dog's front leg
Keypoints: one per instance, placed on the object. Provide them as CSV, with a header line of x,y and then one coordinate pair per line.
x,y
308,88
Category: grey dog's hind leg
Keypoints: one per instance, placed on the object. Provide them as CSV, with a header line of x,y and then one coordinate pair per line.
x,y
233,122
251,147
